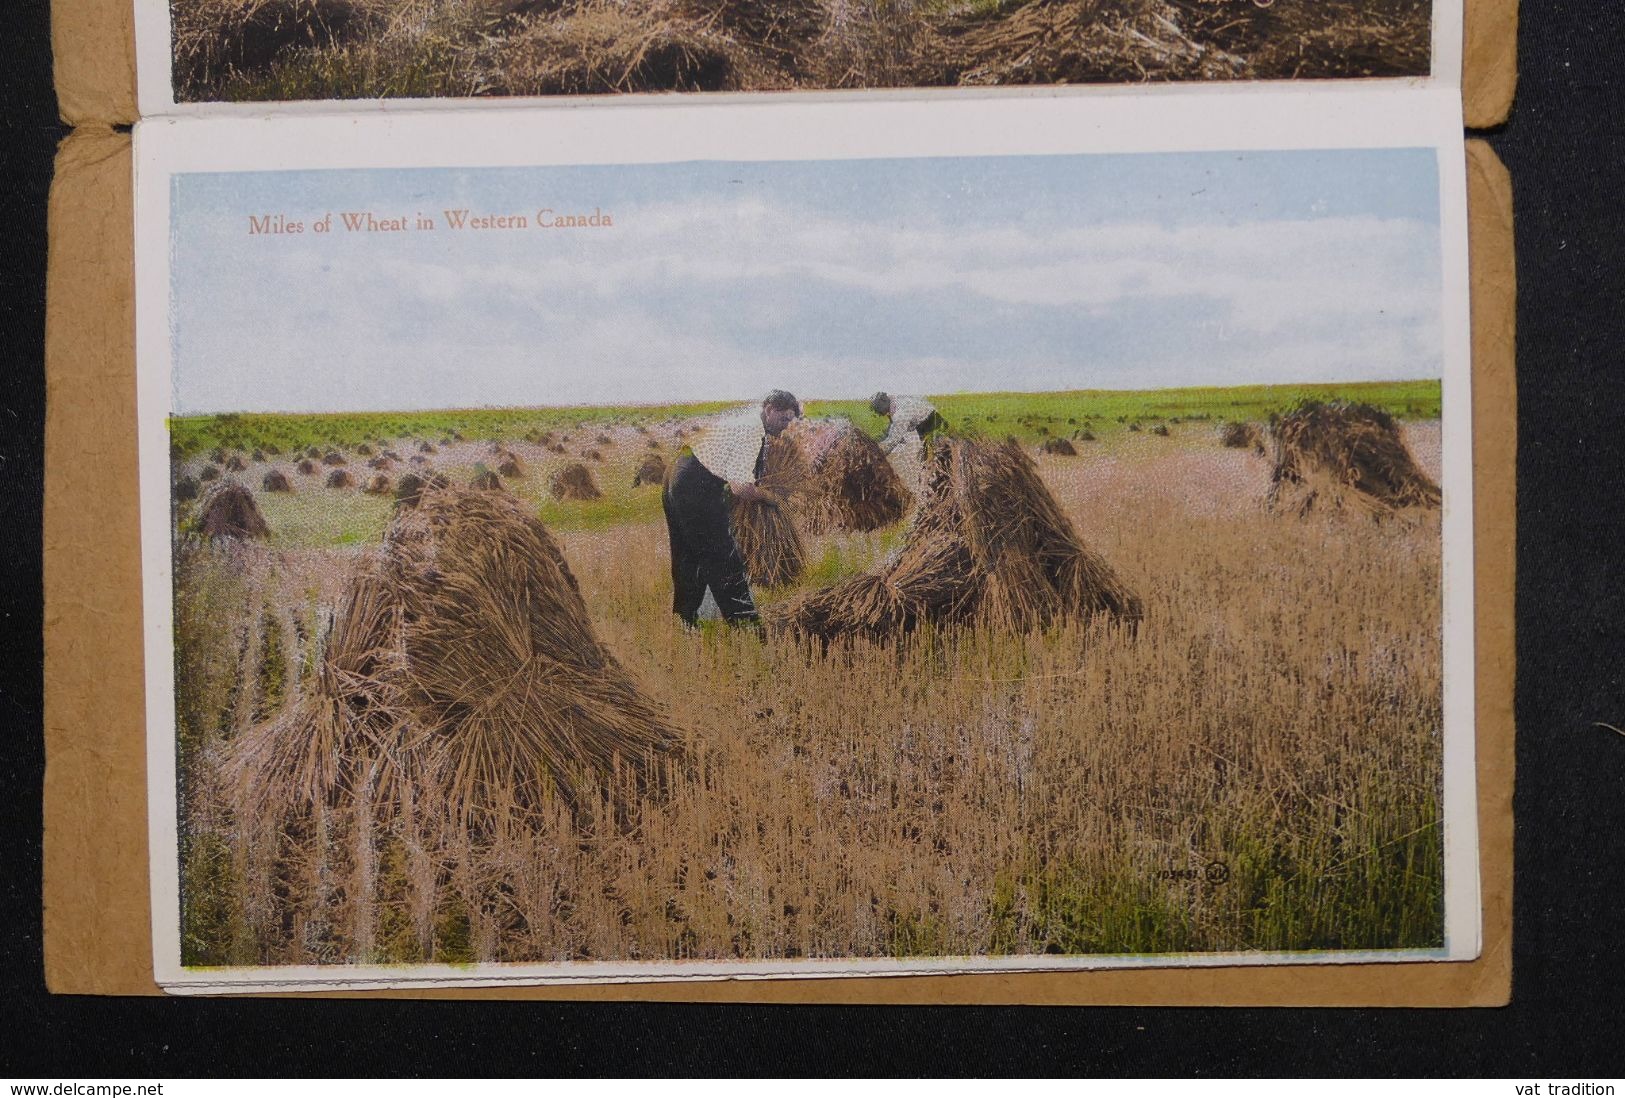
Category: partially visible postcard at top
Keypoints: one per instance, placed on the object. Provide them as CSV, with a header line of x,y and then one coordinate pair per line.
x,y
702,541
200,53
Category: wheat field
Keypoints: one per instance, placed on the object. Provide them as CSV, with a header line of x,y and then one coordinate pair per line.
x,y
246,50
1257,766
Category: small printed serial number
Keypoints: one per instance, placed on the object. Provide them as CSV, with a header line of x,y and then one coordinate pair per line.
x,y
1212,873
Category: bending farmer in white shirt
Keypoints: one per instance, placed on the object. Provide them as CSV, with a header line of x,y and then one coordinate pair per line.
x,y
913,420
723,462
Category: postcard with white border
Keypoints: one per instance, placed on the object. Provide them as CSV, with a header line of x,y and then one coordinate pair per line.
x,y
842,539
202,56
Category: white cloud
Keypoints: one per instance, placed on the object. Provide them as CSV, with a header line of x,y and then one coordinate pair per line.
x,y
1368,264
651,309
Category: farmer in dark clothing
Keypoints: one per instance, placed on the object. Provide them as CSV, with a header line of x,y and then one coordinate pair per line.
x,y
720,465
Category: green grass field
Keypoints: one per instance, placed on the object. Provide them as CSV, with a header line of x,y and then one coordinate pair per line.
x,y
1027,416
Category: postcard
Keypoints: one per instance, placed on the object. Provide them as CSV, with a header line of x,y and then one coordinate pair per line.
x,y
698,543
196,53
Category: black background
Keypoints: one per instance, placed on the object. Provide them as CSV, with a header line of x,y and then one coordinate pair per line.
x,y
1564,146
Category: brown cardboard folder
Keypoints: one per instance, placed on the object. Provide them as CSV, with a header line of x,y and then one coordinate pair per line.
x,y
97,921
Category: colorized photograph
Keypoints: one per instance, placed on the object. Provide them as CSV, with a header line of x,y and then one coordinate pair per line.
x,y
1021,559
262,50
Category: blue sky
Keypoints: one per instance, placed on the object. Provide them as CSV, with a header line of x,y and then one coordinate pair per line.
x,y
830,278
